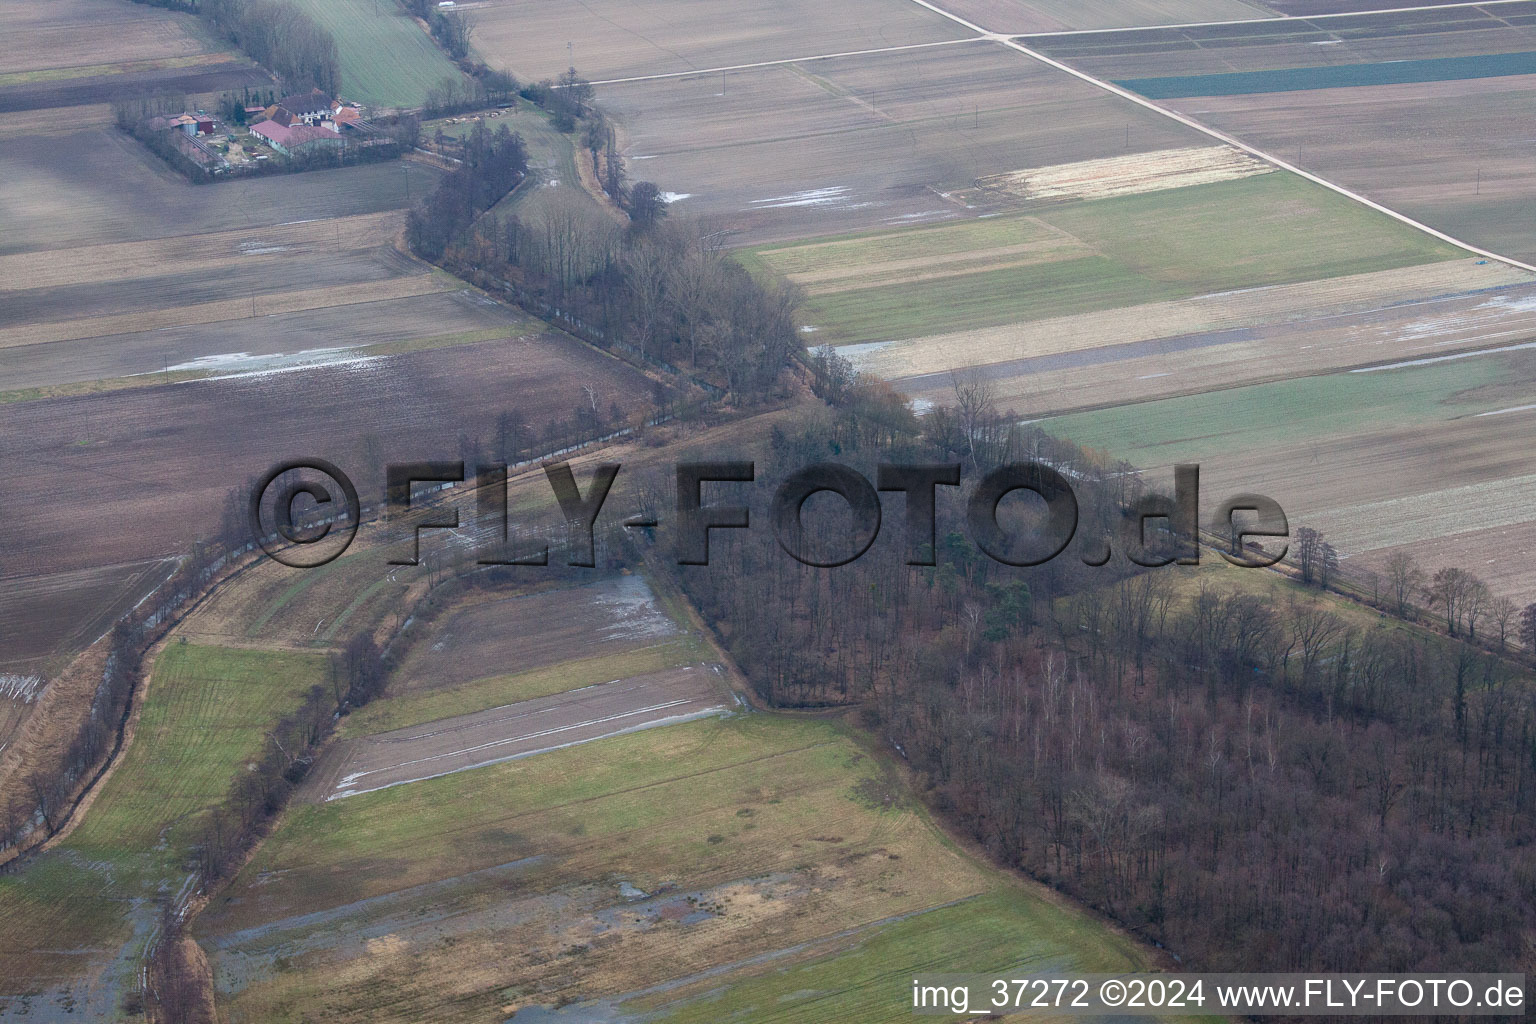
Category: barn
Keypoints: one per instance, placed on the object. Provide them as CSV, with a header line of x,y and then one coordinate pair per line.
x,y
289,140
301,108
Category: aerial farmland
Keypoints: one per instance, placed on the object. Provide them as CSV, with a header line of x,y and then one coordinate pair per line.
x,y
537,311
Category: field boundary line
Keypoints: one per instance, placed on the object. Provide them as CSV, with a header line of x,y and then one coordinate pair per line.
x,y
1278,19
345,220
806,60
1011,43
984,35
408,286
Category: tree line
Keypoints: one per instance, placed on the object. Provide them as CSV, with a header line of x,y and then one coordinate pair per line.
x,y
1457,598
281,37
39,805
227,832
493,164
1253,777
451,29
662,292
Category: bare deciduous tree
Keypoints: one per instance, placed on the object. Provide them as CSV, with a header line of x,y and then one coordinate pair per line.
x,y
1407,579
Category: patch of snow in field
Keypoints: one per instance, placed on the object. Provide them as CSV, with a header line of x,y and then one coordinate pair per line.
x,y
243,364
836,195
1481,318
251,249
922,406
631,611
1427,360
347,785
907,218
1524,304
808,329
21,688
857,353
1501,412
675,197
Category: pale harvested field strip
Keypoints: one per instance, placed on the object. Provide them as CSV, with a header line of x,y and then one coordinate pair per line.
x,y
1128,174
215,312
1414,473
91,264
619,39
1136,372
120,68
1428,516
61,33
1229,310
802,260
519,730
874,275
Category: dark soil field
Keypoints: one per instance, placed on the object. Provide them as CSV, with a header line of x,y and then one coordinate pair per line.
x,y
131,475
82,33
515,634
210,302
232,75
80,606
613,39
864,142
210,283
239,344
99,186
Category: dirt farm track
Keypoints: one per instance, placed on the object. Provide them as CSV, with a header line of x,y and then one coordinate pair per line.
x,y
517,730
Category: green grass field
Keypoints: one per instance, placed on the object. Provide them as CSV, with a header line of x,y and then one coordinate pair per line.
x,y
1292,411
205,715
986,299
838,881
455,824
1263,230
387,59
1007,929
853,251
